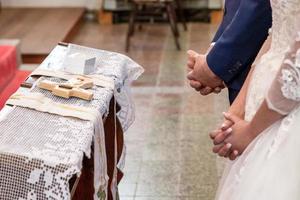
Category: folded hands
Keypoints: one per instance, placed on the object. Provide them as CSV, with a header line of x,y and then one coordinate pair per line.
x,y
235,134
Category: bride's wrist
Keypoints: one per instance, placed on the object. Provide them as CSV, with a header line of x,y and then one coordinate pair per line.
x,y
237,110
254,129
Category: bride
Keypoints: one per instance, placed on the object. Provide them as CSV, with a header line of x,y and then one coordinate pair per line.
x,y
266,137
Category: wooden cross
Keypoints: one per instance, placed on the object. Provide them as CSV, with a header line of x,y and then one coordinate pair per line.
x,y
75,87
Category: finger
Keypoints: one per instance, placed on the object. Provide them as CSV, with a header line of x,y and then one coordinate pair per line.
x,y
228,153
217,90
218,147
195,84
190,76
205,91
233,155
222,136
224,150
231,117
192,53
214,133
197,89
226,125
190,64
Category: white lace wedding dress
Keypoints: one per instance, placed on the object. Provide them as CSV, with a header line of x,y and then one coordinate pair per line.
x,y
269,169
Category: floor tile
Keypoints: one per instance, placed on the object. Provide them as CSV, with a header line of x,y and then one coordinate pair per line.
x,y
127,189
157,189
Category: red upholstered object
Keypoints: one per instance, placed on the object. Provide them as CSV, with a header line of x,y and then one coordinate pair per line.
x,y
13,85
10,76
8,64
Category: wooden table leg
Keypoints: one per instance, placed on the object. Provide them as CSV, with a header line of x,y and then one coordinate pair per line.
x,y
85,187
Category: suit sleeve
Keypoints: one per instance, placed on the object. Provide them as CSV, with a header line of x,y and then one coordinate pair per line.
x,y
241,40
219,31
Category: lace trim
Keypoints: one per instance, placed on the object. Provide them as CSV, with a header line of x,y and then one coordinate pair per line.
x,y
291,78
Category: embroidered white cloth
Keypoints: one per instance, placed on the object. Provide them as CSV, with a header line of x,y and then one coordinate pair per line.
x,y
40,152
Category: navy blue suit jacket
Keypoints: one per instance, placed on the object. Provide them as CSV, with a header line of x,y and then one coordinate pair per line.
x,y
238,40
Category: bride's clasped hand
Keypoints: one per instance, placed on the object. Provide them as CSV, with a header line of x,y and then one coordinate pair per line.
x,y
230,141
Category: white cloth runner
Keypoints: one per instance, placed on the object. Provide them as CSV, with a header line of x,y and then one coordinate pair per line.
x,y
40,152
39,102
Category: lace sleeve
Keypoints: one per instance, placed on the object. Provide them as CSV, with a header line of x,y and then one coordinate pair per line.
x,y
284,94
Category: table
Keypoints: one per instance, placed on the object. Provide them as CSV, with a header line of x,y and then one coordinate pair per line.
x,y
123,70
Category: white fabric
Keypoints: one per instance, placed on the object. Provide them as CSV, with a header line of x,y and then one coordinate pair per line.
x,y
35,144
100,173
39,102
269,168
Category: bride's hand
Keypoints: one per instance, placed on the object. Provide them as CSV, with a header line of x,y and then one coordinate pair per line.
x,y
242,134
222,148
221,133
224,137
218,136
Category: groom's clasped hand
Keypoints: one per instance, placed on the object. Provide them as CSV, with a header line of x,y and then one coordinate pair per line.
x,y
200,77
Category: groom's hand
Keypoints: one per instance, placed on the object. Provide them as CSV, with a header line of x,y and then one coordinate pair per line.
x,y
196,84
202,73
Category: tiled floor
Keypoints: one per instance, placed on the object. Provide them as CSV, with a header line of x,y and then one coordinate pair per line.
x,y
168,154
168,149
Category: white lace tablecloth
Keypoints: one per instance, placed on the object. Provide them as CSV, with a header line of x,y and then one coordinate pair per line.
x,y
40,152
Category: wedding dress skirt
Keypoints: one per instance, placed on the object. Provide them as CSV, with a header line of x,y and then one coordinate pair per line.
x,y
269,168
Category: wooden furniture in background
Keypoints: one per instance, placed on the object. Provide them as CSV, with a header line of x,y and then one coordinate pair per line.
x,y
105,18
181,13
152,8
216,17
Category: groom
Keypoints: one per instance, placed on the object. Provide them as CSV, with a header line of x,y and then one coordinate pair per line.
x,y
236,44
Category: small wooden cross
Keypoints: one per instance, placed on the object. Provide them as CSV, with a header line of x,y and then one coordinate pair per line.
x,y
75,87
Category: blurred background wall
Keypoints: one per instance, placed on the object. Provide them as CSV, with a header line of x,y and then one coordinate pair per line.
x,y
90,4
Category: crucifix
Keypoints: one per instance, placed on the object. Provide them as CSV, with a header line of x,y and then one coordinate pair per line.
x,y
75,87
